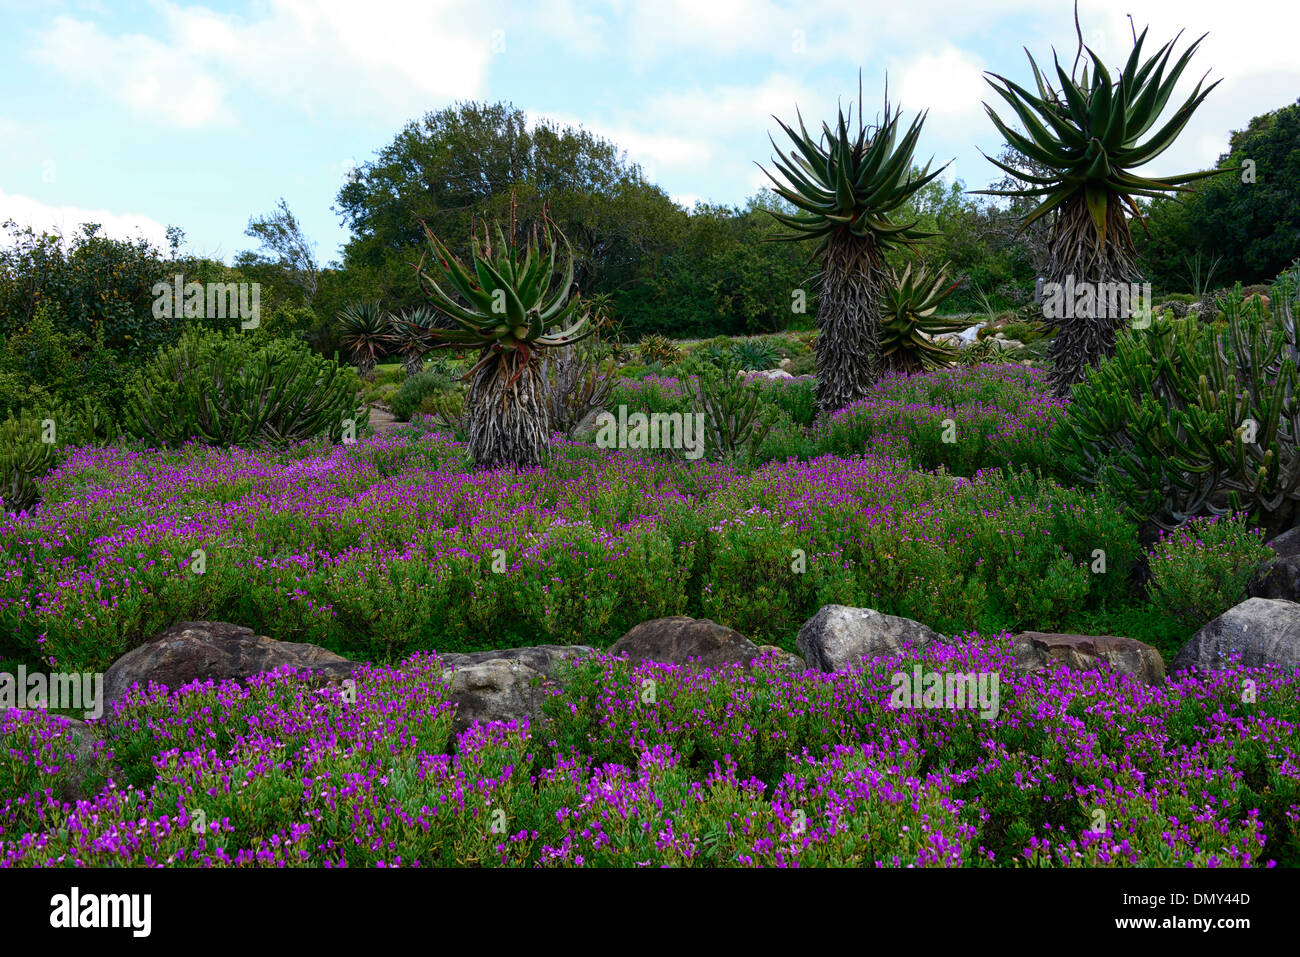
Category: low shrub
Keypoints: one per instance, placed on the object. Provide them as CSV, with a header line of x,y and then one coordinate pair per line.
x,y
1201,570
224,389
416,394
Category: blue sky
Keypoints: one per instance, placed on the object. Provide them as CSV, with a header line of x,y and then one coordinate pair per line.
x,y
145,114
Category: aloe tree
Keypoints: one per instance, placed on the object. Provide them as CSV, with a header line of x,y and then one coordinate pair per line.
x,y
365,331
845,188
406,334
1090,136
509,305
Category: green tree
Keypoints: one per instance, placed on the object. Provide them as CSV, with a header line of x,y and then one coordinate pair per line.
x,y
474,160
1251,230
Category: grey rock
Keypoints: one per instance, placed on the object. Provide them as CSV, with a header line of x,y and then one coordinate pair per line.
x,y
90,764
784,659
540,658
1034,650
1279,577
216,650
680,640
838,636
585,430
1262,631
498,689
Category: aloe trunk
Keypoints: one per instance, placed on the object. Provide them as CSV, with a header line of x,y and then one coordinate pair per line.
x,y
1077,253
509,420
848,321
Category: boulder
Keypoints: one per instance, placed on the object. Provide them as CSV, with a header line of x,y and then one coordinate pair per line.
x,y
1035,649
839,636
784,364
585,430
216,650
772,374
1279,577
1262,631
679,640
784,659
540,658
498,689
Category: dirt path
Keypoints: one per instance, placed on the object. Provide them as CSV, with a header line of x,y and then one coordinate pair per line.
x,y
381,420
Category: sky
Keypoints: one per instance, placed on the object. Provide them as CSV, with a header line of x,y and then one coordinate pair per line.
x,y
140,115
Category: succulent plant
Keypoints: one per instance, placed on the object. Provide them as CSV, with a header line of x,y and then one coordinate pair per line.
x,y
227,390
656,349
736,419
406,335
1091,135
365,334
1186,420
909,324
25,457
846,189
508,304
754,354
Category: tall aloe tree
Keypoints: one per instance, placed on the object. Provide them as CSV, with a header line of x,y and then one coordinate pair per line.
x,y
364,332
1090,136
509,305
407,335
846,188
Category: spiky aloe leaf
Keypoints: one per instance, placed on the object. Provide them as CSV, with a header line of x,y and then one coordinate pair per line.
x,y
1090,134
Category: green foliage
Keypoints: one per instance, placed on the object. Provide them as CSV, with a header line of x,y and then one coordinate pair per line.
x,y
1025,332
1186,420
803,366
1202,569
1089,134
476,159
1244,225
25,457
417,394
753,353
909,321
797,397
654,348
46,363
93,287
226,389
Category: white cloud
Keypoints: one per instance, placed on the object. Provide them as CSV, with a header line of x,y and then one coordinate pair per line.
x,y
141,70
66,220
382,56
948,83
